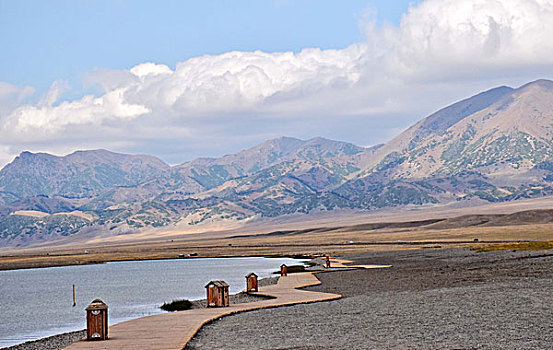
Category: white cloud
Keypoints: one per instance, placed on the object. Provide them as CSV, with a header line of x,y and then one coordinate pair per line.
x,y
509,33
49,118
150,69
442,50
12,96
235,81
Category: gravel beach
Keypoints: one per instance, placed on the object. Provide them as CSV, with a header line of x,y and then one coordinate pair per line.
x,y
429,299
55,342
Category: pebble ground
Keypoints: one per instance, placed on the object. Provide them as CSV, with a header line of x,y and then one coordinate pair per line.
x,y
430,299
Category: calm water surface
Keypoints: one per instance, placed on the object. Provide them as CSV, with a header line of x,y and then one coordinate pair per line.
x,y
35,303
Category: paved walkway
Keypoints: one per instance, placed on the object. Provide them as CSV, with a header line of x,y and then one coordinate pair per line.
x,y
175,330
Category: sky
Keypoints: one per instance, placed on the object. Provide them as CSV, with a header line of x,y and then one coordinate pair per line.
x,y
187,79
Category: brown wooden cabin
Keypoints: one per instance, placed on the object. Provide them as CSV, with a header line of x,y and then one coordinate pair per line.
x,y
217,294
97,320
251,282
283,270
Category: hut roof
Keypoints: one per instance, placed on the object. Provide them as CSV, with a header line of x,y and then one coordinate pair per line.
x,y
251,274
217,284
97,304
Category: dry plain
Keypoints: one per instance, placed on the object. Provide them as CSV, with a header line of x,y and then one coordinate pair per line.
x,y
333,234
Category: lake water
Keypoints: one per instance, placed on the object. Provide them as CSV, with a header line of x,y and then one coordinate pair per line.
x,y
35,303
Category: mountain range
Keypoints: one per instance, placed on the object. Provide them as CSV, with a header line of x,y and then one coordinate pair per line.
x,y
495,146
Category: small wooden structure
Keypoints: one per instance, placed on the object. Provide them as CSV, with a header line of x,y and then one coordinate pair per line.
x,y
251,282
327,261
217,294
283,270
97,320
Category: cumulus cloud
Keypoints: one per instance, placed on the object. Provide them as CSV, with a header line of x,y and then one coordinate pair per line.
x,y
50,118
236,80
442,50
475,33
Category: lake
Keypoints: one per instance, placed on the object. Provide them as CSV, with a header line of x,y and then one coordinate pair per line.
x,y
36,303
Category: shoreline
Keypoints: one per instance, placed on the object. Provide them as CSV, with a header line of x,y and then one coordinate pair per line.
x,y
37,261
172,257
295,244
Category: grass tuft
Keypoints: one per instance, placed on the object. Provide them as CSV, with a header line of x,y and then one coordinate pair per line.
x,y
176,305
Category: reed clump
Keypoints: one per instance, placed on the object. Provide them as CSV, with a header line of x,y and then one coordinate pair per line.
x,y
177,305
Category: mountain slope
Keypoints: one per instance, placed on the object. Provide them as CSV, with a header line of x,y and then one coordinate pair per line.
x,y
507,131
210,173
79,174
502,138
135,192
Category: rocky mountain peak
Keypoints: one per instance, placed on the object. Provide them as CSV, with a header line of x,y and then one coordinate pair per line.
x,y
498,126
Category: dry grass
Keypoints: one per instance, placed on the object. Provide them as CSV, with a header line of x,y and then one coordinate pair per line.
x,y
543,245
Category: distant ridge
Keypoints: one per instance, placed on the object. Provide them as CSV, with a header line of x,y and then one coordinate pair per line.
x,y
79,174
495,146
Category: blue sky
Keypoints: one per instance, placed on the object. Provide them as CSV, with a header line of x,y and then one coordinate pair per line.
x,y
183,79
51,40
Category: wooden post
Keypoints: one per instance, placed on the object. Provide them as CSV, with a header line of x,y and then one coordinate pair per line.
x,y
74,299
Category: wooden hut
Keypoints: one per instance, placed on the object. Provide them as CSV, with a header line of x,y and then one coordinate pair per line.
x,y
217,294
251,282
97,320
283,270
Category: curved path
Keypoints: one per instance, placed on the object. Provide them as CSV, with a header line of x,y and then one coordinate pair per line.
x,y
175,330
